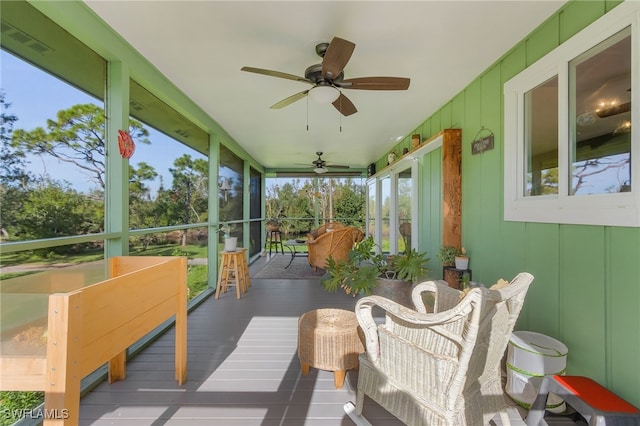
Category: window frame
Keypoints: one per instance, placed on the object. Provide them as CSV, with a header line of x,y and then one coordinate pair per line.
x,y
612,209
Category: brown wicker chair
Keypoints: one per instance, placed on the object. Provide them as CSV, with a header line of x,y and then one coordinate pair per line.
x,y
335,244
323,228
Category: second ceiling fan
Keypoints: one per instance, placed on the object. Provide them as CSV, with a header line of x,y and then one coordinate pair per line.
x,y
327,78
320,165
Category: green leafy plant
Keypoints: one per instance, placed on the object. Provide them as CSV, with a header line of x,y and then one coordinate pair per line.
x,y
14,403
447,254
464,281
360,273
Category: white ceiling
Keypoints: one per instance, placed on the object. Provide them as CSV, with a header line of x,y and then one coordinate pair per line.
x,y
440,45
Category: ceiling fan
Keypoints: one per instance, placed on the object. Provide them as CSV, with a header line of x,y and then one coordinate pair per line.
x,y
327,78
320,165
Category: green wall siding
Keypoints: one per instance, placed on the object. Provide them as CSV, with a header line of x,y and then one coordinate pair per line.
x,y
622,307
582,306
430,206
587,287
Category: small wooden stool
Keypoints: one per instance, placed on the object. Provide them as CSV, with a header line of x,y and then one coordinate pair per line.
x,y
598,405
328,339
234,270
274,237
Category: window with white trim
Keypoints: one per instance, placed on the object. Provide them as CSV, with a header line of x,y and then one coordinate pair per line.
x,y
569,139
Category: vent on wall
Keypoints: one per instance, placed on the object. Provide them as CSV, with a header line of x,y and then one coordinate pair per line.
x,y
182,133
21,37
135,105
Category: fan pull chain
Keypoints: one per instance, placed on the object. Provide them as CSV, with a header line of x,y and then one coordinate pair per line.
x,y
340,113
307,113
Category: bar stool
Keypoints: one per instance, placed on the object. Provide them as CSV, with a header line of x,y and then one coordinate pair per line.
x,y
234,270
274,237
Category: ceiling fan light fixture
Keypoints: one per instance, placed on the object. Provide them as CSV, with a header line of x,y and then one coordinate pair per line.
x,y
320,170
324,94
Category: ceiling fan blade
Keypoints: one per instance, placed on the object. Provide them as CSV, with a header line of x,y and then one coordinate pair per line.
x,y
278,74
288,101
376,83
344,105
336,57
336,166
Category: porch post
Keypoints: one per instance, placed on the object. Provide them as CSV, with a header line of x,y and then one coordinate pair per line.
x,y
117,168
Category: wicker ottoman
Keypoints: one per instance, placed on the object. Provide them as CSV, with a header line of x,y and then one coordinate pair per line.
x,y
328,339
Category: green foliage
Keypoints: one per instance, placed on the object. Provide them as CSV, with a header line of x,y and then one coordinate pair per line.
x,y
12,161
189,193
410,266
359,274
297,199
349,203
197,280
179,251
15,402
447,254
54,210
76,136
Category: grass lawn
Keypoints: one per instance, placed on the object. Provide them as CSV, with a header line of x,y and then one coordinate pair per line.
x,y
196,274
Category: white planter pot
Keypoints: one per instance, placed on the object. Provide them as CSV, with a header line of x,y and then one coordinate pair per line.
x,y
462,262
230,243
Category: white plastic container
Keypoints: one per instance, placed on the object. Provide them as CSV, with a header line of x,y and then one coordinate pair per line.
x,y
230,243
532,354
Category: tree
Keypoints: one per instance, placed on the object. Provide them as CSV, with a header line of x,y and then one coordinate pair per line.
x,y
52,209
141,207
13,175
349,203
12,161
189,191
76,136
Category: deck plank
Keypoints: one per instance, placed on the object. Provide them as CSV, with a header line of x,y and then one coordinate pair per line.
x,y
242,368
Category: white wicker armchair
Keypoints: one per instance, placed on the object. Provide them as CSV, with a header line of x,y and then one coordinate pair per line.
x,y
440,368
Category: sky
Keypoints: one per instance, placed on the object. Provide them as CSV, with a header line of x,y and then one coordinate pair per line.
x,y
36,96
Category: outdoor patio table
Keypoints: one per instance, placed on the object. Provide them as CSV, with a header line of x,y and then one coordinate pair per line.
x,y
291,246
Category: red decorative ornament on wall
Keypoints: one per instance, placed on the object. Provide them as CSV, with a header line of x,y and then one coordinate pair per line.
x,y
125,144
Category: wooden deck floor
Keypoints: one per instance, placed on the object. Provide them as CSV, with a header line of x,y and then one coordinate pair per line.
x,y
242,368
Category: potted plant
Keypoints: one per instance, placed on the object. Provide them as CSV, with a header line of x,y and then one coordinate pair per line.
x,y
366,272
462,260
447,255
273,224
230,243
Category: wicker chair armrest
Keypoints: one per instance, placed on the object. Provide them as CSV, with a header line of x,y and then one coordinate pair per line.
x,y
445,297
397,314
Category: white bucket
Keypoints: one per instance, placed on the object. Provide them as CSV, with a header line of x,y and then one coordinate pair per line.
x,y
230,243
529,355
462,262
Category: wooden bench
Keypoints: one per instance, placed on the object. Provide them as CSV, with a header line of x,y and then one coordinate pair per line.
x,y
598,405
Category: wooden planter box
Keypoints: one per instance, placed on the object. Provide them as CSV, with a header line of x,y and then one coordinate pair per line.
x,y
60,325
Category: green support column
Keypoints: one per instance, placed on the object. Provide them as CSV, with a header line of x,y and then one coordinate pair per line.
x,y
246,211
316,207
263,209
117,168
214,214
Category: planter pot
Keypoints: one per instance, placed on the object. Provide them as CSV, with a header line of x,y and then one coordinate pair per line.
x,y
462,262
396,290
271,228
230,243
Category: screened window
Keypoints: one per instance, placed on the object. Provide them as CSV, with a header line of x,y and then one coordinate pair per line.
x,y
52,148
168,172
230,184
255,210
